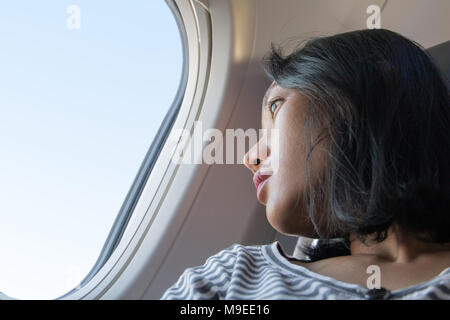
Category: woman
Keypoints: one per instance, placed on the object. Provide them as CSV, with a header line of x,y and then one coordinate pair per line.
x,y
363,122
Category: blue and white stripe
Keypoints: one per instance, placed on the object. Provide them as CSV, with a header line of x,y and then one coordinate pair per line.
x,y
264,272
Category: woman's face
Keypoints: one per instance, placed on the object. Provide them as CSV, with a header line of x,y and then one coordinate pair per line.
x,y
282,153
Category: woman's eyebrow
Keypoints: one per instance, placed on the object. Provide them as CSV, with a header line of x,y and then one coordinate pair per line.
x,y
266,95
265,99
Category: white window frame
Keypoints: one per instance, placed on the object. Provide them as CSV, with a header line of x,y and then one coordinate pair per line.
x,y
196,20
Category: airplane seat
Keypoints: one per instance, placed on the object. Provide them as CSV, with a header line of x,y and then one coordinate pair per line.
x,y
441,55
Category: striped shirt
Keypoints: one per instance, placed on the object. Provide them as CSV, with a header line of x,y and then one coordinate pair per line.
x,y
264,272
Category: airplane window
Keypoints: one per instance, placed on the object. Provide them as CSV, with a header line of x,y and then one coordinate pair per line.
x,y
85,87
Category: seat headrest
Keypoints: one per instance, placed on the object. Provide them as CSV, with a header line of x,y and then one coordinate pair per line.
x,y
441,56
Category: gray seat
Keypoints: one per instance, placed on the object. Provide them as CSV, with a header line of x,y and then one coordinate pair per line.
x,y
441,56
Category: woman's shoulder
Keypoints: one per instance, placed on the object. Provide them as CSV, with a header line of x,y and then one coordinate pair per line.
x,y
249,272
211,279
233,257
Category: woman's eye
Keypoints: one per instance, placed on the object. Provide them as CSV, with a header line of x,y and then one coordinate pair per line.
x,y
274,106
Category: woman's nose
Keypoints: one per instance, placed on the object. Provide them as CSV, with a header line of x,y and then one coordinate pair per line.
x,y
253,160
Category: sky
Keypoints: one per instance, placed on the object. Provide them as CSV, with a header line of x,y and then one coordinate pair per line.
x,y
82,94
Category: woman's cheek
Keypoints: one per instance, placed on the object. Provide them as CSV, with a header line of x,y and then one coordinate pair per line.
x,y
280,195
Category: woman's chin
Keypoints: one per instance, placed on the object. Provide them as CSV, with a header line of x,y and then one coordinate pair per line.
x,y
287,222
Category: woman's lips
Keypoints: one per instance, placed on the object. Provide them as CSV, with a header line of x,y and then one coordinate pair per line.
x,y
260,180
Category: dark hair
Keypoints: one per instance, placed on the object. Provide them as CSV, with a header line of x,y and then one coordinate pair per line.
x,y
383,108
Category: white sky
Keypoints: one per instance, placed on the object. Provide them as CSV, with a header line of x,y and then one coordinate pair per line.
x,y
79,109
